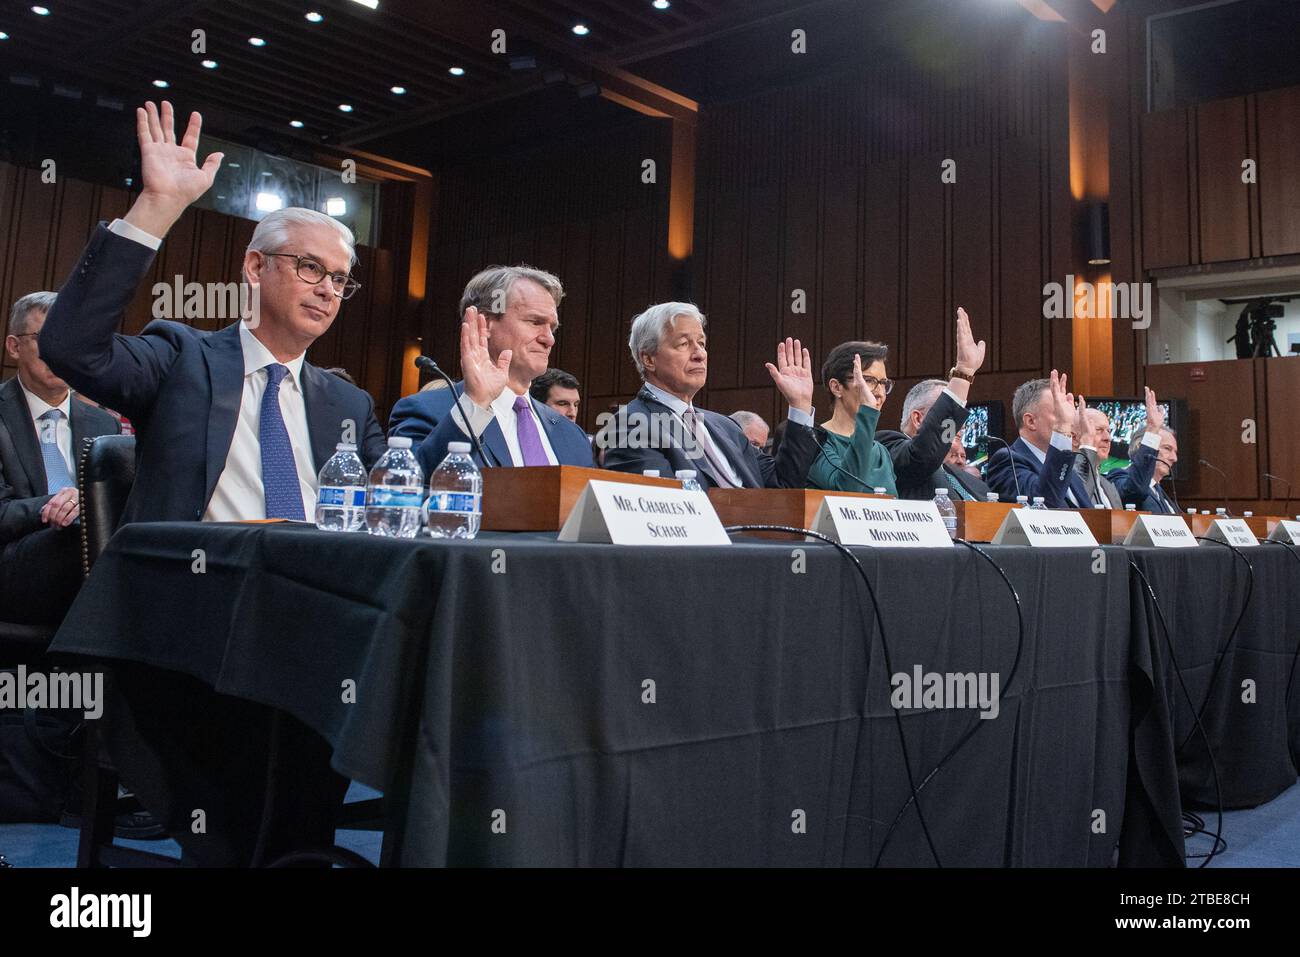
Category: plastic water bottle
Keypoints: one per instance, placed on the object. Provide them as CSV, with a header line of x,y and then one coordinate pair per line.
x,y
947,511
1039,502
455,505
395,492
879,490
688,480
341,500
1130,508
1221,512
990,496
1022,501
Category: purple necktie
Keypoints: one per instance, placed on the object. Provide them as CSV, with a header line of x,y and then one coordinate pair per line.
x,y
530,443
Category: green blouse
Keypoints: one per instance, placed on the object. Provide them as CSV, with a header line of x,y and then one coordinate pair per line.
x,y
859,455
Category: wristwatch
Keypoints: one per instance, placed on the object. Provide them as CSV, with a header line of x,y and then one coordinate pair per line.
x,y
955,373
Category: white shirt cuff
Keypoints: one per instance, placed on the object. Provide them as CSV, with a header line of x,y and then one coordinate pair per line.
x,y
1062,441
134,233
802,418
959,401
479,418
1151,440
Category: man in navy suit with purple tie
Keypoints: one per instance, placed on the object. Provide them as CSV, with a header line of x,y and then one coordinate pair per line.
x,y
509,315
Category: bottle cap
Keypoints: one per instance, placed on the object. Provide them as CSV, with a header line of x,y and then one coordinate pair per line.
x,y
650,473
458,447
399,442
685,473
990,496
1022,498
345,447
879,490
941,491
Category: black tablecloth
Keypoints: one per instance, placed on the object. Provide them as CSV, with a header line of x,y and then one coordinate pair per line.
x,y
500,685
1245,712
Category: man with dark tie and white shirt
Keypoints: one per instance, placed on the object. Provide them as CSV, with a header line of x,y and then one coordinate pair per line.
x,y
230,425
1040,461
509,315
662,429
1093,449
42,425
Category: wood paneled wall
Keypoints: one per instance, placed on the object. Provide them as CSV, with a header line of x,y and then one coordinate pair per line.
x,y
44,226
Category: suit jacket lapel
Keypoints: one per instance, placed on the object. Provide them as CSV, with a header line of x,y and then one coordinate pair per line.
x,y
225,360
550,423
493,439
738,461
324,417
18,419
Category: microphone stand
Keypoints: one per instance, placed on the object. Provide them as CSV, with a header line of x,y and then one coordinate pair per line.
x,y
428,365
1224,476
1286,504
1015,477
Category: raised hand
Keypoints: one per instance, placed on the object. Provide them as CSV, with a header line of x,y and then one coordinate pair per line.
x,y
170,174
792,374
856,390
1155,417
1062,402
1080,420
484,379
970,354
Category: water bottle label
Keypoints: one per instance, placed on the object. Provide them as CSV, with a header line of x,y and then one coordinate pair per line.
x,y
342,496
453,502
394,496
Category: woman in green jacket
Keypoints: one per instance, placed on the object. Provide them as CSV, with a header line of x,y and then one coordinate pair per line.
x,y
851,459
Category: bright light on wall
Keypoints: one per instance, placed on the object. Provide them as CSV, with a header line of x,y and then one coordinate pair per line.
x,y
269,202
336,206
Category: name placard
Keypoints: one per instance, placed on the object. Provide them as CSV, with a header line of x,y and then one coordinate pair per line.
x,y
1286,531
882,523
1044,528
642,515
1161,531
1234,531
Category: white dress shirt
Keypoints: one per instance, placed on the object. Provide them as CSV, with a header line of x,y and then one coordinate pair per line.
x,y
502,408
63,429
239,495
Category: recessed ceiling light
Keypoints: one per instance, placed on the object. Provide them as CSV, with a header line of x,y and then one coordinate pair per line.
x,y
345,107
661,4
314,17
399,90
372,4
161,84
256,41
580,29
3,35
296,124
209,64
233,165
457,71
41,11
269,202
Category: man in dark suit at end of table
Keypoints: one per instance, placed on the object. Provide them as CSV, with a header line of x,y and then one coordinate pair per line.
x,y
42,426
1153,453
933,415
661,428
230,425
509,315
1041,460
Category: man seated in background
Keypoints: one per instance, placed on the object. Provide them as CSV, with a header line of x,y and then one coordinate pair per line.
x,y
755,429
41,432
934,412
230,425
1153,453
559,390
509,315
1089,456
662,430
1039,462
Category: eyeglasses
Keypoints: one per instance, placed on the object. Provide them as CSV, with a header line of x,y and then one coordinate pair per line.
x,y
872,382
311,272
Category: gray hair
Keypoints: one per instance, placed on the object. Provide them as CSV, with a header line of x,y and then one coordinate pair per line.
x,y
31,303
489,291
1025,398
273,231
745,419
920,396
648,328
1138,432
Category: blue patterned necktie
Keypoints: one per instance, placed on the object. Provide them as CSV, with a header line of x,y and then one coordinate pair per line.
x,y
57,476
279,472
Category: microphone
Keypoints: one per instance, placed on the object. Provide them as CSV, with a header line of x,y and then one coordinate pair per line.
x,y
1286,505
1012,456
425,364
1215,468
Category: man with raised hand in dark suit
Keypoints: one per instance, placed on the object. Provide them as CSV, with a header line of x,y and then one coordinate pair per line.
x,y
1153,453
661,428
230,425
933,415
509,315
1040,461
42,427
